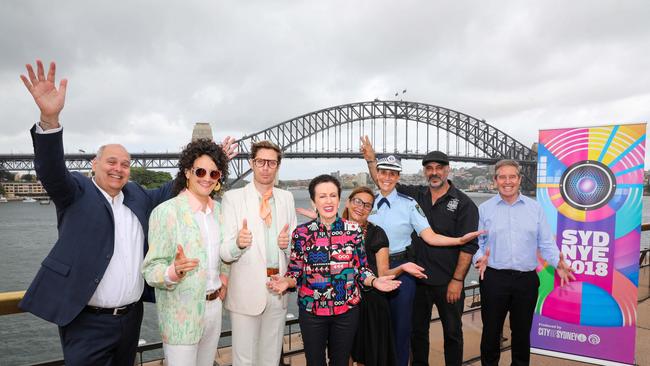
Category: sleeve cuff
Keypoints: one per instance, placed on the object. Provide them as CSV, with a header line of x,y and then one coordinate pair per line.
x,y
236,252
41,131
170,275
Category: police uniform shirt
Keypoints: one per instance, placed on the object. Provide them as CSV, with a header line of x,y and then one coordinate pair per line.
x,y
398,215
454,214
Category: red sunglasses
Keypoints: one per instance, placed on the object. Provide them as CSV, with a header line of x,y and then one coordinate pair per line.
x,y
200,172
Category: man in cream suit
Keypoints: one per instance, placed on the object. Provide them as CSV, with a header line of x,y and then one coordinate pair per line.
x,y
258,220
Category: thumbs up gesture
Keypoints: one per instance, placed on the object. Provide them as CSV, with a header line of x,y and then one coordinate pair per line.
x,y
245,237
182,264
283,238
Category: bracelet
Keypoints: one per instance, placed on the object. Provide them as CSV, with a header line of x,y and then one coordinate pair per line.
x,y
372,282
370,161
456,279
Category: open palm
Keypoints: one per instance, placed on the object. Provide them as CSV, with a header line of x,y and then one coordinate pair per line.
x,y
48,98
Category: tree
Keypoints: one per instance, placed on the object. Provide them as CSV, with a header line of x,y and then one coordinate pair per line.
x,y
149,178
28,178
6,176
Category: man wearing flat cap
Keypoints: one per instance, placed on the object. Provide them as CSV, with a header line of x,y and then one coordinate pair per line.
x,y
452,213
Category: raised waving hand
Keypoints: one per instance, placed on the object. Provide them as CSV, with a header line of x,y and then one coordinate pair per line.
x,y
48,98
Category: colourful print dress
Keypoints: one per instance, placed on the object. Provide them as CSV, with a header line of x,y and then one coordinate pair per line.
x,y
329,265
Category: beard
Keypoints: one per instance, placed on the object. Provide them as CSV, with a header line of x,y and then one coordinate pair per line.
x,y
433,177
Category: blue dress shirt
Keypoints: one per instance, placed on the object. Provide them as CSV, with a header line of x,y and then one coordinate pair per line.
x,y
398,217
515,234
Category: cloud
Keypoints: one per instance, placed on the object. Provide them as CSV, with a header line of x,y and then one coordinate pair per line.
x,y
143,72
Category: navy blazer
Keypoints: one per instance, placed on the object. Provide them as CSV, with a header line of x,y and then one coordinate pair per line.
x,y
76,264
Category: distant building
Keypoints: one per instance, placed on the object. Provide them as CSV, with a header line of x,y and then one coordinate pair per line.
x,y
362,179
23,189
202,130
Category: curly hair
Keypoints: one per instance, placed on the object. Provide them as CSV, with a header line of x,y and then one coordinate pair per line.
x,y
195,150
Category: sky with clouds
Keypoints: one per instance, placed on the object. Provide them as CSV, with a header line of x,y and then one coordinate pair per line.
x,y
143,72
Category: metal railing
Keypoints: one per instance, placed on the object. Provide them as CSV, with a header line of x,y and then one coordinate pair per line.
x,y
9,305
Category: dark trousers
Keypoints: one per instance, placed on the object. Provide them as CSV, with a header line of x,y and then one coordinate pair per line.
x,y
450,317
401,313
503,291
336,332
102,339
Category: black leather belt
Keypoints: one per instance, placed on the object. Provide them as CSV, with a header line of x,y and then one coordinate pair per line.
x,y
113,311
399,256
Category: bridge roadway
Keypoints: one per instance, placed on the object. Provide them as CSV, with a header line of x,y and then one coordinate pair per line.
x,y
401,127
25,162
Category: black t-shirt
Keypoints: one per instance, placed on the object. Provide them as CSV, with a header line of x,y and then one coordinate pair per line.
x,y
453,214
375,239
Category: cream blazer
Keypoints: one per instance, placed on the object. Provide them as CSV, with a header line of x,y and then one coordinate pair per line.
x,y
247,282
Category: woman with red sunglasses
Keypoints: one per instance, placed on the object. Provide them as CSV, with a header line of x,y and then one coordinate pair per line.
x,y
183,262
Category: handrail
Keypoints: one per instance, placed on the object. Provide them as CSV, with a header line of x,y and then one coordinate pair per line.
x,y
9,305
9,302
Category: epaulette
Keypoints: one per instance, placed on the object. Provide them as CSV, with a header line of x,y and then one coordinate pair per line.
x,y
405,196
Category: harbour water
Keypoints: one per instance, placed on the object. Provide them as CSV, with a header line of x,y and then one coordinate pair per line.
x,y
27,233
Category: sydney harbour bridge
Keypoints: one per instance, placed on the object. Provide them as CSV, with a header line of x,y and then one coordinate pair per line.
x,y
407,129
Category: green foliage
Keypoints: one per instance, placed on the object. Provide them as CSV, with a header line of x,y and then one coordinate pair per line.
x,y
28,178
6,176
149,178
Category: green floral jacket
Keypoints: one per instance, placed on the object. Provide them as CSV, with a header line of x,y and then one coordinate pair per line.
x,y
180,306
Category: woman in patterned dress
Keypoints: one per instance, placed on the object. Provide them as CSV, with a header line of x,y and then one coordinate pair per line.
x,y
328,266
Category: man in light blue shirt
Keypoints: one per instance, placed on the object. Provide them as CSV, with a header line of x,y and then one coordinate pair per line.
x,y
507,257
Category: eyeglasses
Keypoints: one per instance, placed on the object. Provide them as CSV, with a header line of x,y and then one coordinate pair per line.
x,y
200,172
359,203
261,162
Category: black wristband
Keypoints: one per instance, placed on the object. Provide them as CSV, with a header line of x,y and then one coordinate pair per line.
x,y
456,279
372,282
370,161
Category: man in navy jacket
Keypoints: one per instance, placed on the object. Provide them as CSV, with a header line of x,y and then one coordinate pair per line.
x,y
90,283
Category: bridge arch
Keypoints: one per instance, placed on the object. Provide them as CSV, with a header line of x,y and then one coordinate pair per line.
x,y
333,132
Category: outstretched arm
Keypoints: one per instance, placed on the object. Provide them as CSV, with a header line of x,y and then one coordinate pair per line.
x,y
434,239
48,98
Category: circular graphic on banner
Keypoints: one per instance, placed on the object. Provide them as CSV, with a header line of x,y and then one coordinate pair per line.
x,y
587,185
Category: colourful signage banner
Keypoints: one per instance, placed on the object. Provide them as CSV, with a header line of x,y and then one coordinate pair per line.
x,y
590,184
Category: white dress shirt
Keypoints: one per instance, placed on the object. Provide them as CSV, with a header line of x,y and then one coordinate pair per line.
x,y
122,283
210,236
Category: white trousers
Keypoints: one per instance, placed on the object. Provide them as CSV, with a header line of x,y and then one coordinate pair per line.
x,y
204,352
257,340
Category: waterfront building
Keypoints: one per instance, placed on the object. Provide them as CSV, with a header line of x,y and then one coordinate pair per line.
x,y
22,189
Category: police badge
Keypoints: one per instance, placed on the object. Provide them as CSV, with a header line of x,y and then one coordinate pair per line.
x,y
417,207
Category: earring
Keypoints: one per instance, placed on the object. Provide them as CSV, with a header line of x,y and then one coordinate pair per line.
x,y
217,188
187,183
